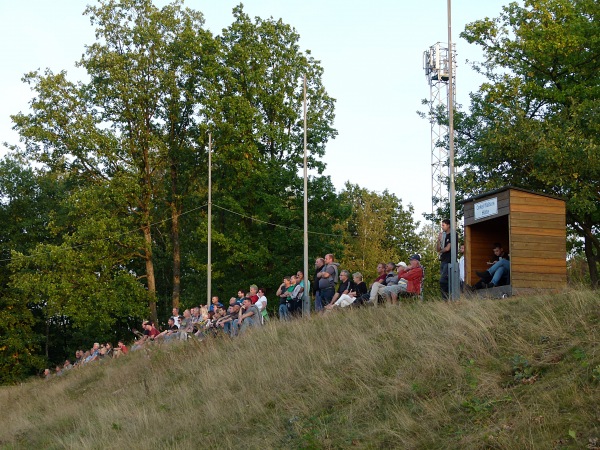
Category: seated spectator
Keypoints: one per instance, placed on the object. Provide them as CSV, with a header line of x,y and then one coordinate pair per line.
x,y
261,304
499,272
120,350
170,332
253,294
94,353
195,315
215,303
152,331
392,286
226,322
377,283
345,286
67,365
47,374
410,281
175,316
357,288
391,278
249,316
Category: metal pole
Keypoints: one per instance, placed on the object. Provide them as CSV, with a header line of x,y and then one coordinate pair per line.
x,y
306,296
454,283
209,265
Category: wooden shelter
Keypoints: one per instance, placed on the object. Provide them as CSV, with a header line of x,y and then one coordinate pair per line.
x,y
531,228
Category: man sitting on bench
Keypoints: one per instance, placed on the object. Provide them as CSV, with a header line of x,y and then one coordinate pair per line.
x,y
498,274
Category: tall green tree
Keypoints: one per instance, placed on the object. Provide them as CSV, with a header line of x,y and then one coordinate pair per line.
x,y
379,229
536,122
136,123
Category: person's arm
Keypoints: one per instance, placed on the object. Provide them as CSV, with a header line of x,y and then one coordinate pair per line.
x,y
280,291
438,246
250,313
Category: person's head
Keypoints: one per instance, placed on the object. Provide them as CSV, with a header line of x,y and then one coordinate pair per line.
x,y
344,275
380,268
187,314
498,250
329,258
446,225
262,292
299,276
232,301
175,312
389,267
247,303
253,289
357,277
171,322
293,279
120,344
215,300
415,260
462,248
241,294
96,346
235,307
67,362
401,266
287,281
319,262
46,372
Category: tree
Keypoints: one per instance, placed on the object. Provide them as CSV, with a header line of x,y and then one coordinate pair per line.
x,y
379,229
137,119
536,122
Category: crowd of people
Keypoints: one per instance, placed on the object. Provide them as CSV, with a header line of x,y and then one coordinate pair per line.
x,y
332,289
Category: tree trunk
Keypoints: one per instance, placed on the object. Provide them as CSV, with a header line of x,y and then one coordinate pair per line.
x,y
150,273
176,254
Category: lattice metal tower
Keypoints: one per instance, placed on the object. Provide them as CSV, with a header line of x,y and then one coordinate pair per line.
x,y
436,62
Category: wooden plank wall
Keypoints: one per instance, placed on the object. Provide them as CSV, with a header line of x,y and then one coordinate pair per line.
x,y
538,246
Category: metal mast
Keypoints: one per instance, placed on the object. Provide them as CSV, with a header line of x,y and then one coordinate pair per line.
x,y
436,63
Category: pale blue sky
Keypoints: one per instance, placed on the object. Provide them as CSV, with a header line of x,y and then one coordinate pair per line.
x,y
371,52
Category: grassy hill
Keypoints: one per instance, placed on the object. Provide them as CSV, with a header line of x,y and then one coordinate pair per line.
x,y
517,373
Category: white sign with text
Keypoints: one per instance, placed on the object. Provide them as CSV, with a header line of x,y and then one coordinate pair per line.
x,y
486,208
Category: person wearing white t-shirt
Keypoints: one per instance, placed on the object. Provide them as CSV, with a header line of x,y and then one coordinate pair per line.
x,y
261,303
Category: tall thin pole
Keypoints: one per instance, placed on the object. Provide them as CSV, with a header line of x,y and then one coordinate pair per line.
x,y
306,297
454,283
209,265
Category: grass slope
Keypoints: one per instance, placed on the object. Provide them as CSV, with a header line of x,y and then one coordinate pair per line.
x,y
518,373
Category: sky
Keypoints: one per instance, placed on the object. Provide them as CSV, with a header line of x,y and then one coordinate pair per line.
x,y
371,51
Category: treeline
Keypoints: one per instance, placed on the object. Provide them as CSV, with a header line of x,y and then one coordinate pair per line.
x,y
104,203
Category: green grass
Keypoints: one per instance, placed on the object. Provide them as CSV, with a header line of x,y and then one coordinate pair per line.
x,y
520,373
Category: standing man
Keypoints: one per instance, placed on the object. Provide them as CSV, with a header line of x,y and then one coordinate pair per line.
x,y
444,249
319,263
327,279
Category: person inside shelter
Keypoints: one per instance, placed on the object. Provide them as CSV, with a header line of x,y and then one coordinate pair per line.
x,y
499,272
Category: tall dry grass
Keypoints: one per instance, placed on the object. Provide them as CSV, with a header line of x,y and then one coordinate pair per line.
x,y
422,375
